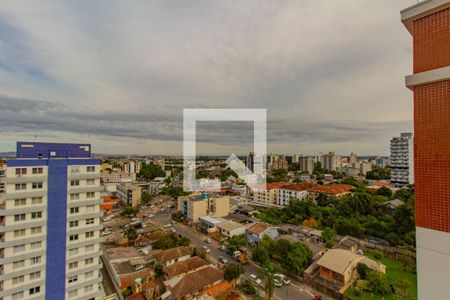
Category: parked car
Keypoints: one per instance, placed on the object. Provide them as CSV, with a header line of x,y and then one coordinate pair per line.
x,y
173,230
223,248
134,219
316,297
223,260
282,278
103,233
107,218
151,215
206,249
122,226
277,283
255,279
208,241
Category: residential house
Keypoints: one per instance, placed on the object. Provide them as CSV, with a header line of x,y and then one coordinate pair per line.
x,y
231,228
173,255
257,231
183,267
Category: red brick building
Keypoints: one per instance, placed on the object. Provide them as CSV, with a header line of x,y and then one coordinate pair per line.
x,y
429,24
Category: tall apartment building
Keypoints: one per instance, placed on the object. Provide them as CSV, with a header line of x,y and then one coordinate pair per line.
x,y
50,223
402,160
429,24
306,163
199,205
330,161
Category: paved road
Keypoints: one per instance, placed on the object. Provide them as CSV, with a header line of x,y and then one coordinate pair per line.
x,y
289,292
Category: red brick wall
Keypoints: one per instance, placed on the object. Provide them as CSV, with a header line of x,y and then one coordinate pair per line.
x,y
432,155
431,35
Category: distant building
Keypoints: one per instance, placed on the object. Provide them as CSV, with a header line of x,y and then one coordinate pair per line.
x,y
330,161
268,194
119,177
129,194
293,191
306,163
199,205
402,160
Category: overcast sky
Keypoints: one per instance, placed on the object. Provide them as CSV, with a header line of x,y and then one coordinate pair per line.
x,y
118,74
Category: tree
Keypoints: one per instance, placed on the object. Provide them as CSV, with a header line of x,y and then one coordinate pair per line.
x,y
146,198
268,271
236,242
297,258
129,211
248,288
384,191
151,171
260,255
328,235
130,233
159,270
232,271
378,283
363,270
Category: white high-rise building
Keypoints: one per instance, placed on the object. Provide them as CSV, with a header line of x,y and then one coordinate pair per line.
x,y
50,223
402,160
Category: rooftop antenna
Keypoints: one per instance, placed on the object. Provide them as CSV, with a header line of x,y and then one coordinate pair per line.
x,y
35,138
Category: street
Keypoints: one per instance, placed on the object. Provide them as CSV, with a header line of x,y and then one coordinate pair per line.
x,y
286,292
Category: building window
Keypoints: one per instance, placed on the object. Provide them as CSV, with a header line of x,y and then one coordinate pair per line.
x,y
35,290
74,196
74,183
36,245
73,265
75,169
19,217
35,260
20,186
36,230
37,170
19,248
73,224
36,215
36,185
89,261
18,264
88,275
74,210
90,181
36,200
73,237
90,195
18,279
90,168
73,252
89,234
73,293
90,221
35,275
19,233
90,208
73,279
20,202
16,296
21,171
89,248
88,288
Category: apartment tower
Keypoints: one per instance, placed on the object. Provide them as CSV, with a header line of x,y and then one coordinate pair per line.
x,y
429,24
402,160
50,223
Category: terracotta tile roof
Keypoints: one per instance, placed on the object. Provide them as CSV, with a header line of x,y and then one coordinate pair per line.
x,y
137,296
184,266
273,185
128,279
331,189
258,228
196,281
170,254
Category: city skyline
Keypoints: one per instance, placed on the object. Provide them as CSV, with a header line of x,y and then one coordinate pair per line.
x,y
58,84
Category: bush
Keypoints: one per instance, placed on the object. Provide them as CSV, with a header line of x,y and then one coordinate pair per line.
x,y
363,270
378,283
248,288
377,255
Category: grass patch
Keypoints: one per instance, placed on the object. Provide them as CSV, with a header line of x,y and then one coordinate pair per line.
x,y
395,271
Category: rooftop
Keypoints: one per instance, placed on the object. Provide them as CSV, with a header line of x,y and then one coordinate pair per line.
x,y
258,228
121,253
170,254
194,281
230,225
330,189
213,220
184,266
